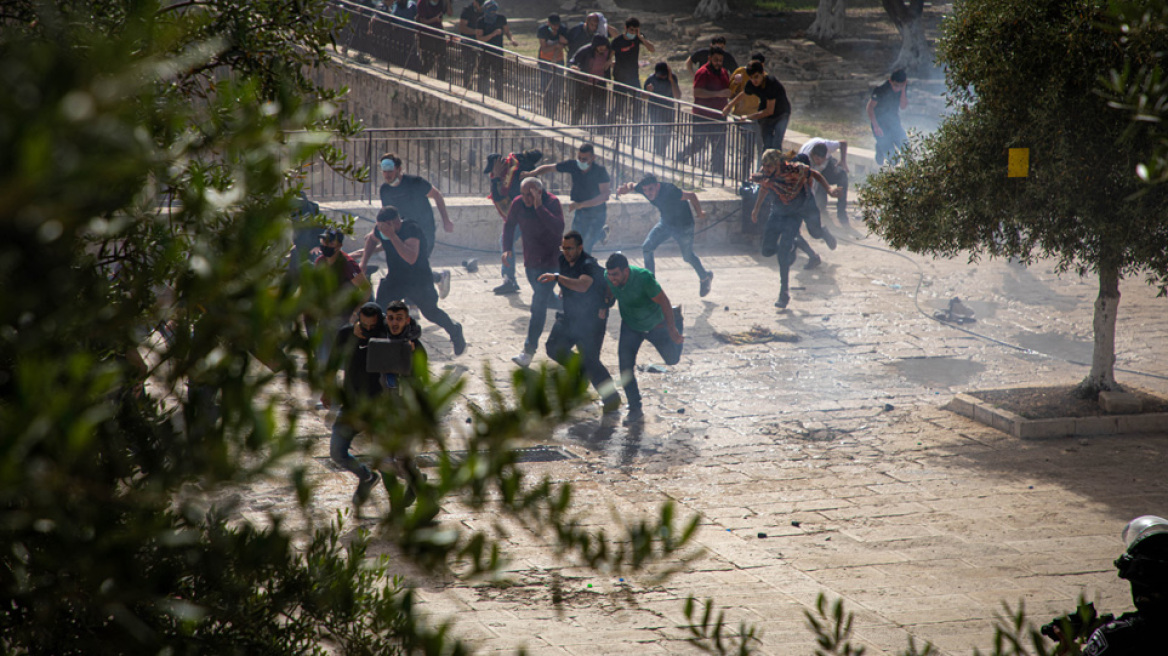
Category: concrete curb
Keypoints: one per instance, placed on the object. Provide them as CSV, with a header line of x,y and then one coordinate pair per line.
x,y
1021,427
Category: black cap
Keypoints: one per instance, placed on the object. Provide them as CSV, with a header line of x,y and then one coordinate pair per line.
x,y
333,234
491,159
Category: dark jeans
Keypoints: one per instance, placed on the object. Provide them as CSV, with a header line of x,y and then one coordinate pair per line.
x,y
422,294
591,103
491,73
774,131
342,439
887,145
661,133
541,298
589,222
684,238
469,52
508,268
630,345
586,335
839,177
782,228
551,85
432,45
707,133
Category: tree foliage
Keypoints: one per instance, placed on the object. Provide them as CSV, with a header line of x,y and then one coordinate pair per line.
x,y
146,193
1025,74
1139,88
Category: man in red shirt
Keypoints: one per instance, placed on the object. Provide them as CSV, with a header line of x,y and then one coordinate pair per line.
x,y
540,218
349,277
711,91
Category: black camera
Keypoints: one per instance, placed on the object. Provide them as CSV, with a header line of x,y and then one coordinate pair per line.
x,y
1080,623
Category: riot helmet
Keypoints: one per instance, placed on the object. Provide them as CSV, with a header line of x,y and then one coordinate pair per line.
x,y
1145,562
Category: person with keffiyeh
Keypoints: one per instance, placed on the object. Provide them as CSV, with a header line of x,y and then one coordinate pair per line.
x,y
790,182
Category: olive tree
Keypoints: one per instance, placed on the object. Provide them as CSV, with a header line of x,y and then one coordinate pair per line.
x,y
149,336
1139,87
1024,74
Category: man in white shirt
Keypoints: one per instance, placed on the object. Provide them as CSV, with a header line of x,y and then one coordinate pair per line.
x,y
817,153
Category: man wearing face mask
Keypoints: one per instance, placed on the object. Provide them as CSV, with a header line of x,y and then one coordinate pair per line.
x,y
411,195
541,219
491,29
468,22
677,223
408,275
591,187
349,276
626,50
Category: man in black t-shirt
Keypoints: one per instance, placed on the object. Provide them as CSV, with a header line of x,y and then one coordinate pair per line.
x,y
626,49
468,22
582,323
591,187
662,83
491,29
408,273
702,55
676,223
411,195
774,109
884,115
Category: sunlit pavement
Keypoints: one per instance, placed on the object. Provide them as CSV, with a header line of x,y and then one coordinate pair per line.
x,y
836,448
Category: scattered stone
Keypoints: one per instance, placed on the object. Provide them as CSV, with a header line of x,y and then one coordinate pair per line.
x,y
681,411
888,407
762,535
795,523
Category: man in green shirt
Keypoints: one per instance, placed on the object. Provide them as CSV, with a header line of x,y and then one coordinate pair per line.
x,y
646,314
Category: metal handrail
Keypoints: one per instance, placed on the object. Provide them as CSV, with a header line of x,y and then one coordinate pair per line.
x,y
563,95
418,29
453,158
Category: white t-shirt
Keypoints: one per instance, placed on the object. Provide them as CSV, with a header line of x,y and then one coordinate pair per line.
x,y
832,147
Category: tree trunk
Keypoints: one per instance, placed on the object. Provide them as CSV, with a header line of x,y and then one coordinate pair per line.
x,y
829,20
1102,376
914,54
711,9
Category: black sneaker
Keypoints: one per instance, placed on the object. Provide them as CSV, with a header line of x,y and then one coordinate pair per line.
x,y
678,320
813,262
509,286
784,298
707,282
364,488
457,340
634,416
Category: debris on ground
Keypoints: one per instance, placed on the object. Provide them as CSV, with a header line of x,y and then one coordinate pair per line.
x,y
756,335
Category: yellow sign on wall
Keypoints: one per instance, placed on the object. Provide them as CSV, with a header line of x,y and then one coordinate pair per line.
x,y
1019,163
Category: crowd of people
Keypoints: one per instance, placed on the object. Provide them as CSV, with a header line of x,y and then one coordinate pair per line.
x,y
610,85
559,265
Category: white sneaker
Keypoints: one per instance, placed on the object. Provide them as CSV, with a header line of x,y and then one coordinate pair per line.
x,y
523,360
443,284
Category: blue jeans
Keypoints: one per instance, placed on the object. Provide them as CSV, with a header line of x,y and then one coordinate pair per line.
x,y
589,222
630,345
684,238
508,269
782,229
774,131
887,145
586,335
541,299
342,439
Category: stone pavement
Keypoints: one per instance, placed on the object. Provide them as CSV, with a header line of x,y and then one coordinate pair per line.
x,y
835,447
